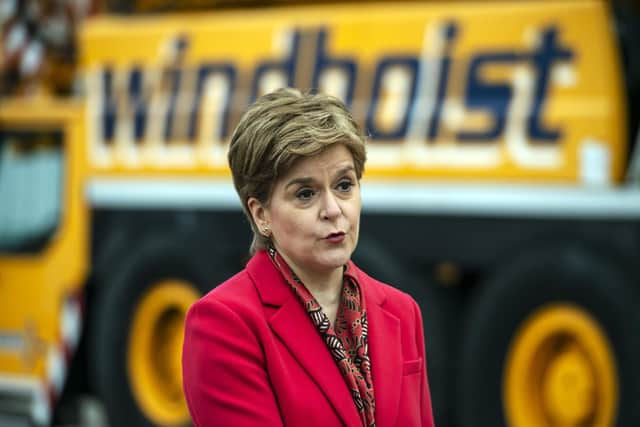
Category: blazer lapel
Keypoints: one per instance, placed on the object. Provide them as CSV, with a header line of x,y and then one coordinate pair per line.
x,y
292,325
385,352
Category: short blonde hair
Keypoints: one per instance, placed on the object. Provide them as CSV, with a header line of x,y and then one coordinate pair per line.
x,y
279,129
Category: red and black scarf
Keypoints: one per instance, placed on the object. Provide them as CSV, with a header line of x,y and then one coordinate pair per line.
x,y
346,340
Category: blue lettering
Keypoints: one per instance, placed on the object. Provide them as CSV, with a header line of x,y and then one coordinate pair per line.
x,y
137,102
136,86
174,74
108,106
543,60
323,62
451,30
203,73
409,63
492,97
287,66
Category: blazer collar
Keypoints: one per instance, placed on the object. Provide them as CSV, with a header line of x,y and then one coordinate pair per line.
x,y
292,325
271,287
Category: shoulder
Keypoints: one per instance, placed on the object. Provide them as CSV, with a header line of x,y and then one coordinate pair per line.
x,y
235,296
233,289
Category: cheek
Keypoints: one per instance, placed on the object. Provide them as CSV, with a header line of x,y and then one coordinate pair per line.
x,y
354,213
292,228
356,227
290,224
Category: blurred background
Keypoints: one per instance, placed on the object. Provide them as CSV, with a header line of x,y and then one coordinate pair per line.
x,y
502,191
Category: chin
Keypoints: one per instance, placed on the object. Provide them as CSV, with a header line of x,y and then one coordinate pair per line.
x,y
337,260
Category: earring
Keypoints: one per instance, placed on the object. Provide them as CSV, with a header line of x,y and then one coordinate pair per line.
x,y
266,230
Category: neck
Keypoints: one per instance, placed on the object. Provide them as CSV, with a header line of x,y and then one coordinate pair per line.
x,y
325,286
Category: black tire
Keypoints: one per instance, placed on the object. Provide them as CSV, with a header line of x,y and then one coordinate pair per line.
x,y
152,260
564,275
376,261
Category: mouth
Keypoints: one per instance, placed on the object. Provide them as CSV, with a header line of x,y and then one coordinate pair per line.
x,y
337,237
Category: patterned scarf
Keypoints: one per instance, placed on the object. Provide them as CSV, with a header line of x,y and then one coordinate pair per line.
x,y
346,340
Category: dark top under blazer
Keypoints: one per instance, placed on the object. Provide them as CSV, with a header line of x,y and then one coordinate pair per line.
x,y
252,357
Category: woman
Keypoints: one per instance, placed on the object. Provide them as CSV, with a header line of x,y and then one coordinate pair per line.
x,y
301,336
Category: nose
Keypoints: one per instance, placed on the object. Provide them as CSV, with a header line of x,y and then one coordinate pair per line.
x,y
331,206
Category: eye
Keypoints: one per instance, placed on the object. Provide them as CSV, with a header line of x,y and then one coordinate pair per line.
x,y
305,194
345,185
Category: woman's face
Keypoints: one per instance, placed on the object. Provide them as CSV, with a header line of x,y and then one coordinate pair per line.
x,y
314,212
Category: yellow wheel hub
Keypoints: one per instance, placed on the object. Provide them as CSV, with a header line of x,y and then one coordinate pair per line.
x,y
560,372
155,349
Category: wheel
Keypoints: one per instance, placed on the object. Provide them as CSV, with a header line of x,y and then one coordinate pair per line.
x,y
551,340
376,261
137,332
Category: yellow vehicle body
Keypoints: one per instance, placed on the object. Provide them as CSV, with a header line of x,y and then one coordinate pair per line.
x,y
41,292
523,100
411,71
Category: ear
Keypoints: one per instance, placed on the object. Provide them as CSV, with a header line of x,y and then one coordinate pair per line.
x,y
259,213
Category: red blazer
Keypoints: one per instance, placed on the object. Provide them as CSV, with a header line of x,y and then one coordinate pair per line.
x,y
252,357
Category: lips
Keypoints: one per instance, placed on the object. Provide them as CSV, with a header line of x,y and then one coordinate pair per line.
x,y
336,237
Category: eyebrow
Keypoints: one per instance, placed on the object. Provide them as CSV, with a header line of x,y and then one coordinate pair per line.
x,y
306,180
